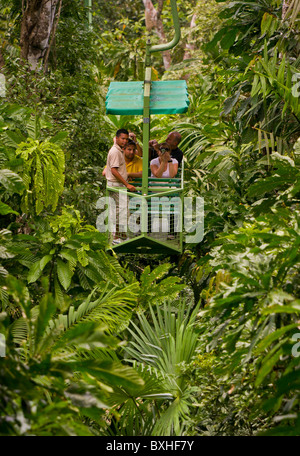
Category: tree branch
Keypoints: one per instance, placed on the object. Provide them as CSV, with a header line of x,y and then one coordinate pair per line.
x,y
52,37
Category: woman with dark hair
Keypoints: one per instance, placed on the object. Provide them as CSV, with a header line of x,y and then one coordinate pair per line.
x,y
164,165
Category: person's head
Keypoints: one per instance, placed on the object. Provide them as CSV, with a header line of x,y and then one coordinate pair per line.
x,y
129,150
122,137
173,139
163,148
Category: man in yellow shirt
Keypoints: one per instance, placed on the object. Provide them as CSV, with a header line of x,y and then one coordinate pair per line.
x,y
134,163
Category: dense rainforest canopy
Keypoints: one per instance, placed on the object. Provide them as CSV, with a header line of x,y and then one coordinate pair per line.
x,y
203,343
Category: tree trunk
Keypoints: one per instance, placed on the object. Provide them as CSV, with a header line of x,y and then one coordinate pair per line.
x,y
36,27
190,47
285,5
153,21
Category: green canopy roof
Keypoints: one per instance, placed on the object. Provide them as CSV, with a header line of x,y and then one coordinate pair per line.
x,y
166,97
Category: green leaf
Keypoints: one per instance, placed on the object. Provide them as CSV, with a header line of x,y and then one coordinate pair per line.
x,y
264,343
11,181
263,85
229,39
266,22
87,335
288,382
280,76
267,366
5,209
64,273
269,184
59,297
230,102
293,307
59,138
34,272
44,261
13,139
47,309
255,86
111,372
33,127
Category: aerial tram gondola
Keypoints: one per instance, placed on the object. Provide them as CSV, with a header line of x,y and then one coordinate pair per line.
x,y
157,207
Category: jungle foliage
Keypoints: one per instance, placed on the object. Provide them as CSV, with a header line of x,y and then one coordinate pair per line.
x,y
204,344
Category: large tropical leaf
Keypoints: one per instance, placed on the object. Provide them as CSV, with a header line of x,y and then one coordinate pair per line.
x,y
11,181
170,340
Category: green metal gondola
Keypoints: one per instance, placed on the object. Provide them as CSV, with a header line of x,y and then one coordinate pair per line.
x,y
158,203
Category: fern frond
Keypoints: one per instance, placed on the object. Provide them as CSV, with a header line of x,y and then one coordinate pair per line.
x,y
107,269
20,330
4,296
84,283
111,309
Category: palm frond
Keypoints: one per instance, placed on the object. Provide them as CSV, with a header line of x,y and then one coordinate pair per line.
x,y
112,309
164,343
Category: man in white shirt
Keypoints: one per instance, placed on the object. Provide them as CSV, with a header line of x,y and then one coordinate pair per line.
x,y
116,175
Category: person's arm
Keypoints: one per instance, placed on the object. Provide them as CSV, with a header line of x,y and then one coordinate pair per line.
x,y
133,175
139,150
104,172
173,169
154,144
158,171
118,176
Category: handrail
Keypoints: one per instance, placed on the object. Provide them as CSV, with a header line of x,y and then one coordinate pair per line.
x,y
159,179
